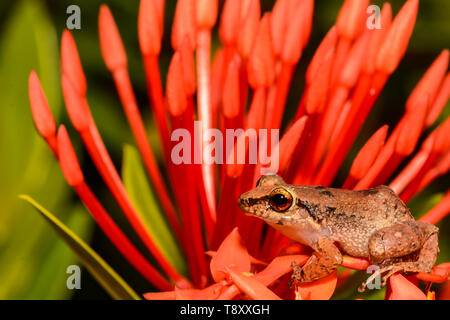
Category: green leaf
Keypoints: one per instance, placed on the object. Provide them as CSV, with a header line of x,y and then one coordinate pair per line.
x,y
28,41
138,188
100,270
55,256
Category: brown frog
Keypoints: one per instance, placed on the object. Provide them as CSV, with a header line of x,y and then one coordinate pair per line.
x,y
373,224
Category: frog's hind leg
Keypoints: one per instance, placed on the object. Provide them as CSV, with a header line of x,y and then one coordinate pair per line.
x,y
406,247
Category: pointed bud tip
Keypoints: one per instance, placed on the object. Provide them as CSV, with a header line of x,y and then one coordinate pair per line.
x,y
71,64
249,22
431,80
206,13
149,27
42,115
396,41
111,43
184,24
351,18
229,22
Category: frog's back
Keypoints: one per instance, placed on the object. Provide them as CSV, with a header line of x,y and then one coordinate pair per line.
x,y
353,216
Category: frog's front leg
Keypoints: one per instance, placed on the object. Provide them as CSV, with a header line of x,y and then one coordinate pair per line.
x,y
318,267
390,248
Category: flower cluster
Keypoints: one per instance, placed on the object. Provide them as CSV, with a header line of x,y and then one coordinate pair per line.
x,y
257,60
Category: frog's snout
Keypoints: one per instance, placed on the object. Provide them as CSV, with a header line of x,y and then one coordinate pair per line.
x,y
242,203
245,204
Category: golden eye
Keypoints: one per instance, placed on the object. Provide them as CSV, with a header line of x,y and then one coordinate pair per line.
x,y
280,199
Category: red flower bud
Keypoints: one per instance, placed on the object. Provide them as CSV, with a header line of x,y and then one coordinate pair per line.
x,y
351,19
111,44
71,64
249,21
150,26
430,83
206,13
184,24
42,115
261,63
396,41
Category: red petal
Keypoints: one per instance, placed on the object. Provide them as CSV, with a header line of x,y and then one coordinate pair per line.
x,y
249,285
321,289
402,289
279,267
168,295
230,252
439,274
209,293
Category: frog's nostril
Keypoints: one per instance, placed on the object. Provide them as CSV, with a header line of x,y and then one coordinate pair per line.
x,y
243,203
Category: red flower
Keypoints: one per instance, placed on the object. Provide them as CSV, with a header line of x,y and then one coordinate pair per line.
x,y
343,80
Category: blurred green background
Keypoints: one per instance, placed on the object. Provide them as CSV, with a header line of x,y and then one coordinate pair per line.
x,y
33,260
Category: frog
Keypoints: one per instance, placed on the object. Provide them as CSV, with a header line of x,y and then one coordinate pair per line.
x,y
374,224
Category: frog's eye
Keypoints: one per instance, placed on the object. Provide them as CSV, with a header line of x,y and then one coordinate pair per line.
x,y
280,199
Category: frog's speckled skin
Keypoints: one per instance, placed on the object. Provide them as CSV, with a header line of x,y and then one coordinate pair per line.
x,y
372,223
